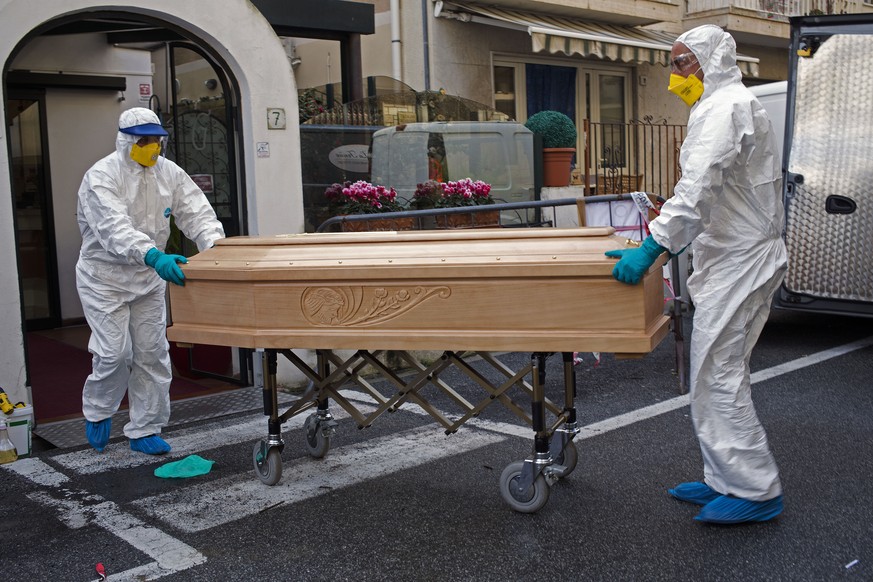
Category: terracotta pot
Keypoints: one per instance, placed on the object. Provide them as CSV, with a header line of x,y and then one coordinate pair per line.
x,y
488,219
556,166
373,224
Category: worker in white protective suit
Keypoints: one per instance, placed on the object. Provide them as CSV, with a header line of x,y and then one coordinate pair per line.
x,y
125,204
728,206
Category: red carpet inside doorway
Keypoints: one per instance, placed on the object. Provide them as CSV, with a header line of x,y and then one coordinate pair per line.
x,y
58,370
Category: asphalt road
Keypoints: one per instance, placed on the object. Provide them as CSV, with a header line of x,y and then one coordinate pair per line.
x,y
403,501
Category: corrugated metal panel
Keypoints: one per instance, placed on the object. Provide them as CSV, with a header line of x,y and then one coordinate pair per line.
x,y
829,252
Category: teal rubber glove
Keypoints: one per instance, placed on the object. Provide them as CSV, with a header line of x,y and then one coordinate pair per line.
x,y
166,266
634,263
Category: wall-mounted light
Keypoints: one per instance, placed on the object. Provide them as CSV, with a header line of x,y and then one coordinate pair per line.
x,y
211,84
291,53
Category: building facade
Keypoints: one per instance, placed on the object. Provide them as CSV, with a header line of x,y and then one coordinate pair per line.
x,y
602,63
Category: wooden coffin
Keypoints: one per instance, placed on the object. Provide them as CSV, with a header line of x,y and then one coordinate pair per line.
x,y
488,290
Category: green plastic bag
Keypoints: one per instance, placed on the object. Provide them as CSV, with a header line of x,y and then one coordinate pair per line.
x,y
190,466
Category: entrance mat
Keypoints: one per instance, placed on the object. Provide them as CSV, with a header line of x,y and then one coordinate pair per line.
x,y
71,433
58,371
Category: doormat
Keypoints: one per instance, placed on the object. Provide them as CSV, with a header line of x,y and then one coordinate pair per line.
x,y
58,371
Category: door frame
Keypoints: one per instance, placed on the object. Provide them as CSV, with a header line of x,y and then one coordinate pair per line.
x,y
54,318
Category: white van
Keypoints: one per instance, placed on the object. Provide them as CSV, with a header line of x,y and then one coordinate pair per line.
x,y
500,153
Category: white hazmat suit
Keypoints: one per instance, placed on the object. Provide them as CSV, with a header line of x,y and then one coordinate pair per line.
x,y
728,206
124,211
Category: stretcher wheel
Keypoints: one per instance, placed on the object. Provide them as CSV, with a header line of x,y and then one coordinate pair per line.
x,y
268,467
568,458
531,500
317,444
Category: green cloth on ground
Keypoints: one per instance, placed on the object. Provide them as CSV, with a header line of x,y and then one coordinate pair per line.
x,y
190,466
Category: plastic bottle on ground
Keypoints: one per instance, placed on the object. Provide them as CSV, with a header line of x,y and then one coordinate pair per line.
x,y
8,453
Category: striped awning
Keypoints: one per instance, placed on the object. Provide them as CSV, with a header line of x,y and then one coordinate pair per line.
x,y
569,36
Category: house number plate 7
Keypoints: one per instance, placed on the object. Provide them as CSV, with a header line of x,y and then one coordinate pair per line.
x,y
275,118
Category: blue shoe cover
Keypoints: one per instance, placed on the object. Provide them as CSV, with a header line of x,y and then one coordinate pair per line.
x,y
728,509
98,433
150,445
694,492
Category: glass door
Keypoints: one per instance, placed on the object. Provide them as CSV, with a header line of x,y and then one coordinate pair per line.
x,y
610,147
201,132
34,224
202,142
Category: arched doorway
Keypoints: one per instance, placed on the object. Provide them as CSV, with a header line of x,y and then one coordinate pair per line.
x,y
151,58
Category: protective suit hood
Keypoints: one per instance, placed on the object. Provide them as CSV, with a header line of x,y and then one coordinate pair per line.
x,y
133,124
716,52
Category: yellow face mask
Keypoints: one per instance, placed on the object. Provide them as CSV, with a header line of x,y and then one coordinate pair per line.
x,y
146,155
689,88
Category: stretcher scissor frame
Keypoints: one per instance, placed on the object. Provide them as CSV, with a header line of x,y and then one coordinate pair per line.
x,y
524,484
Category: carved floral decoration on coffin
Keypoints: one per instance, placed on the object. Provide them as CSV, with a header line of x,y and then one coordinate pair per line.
x,y
360,306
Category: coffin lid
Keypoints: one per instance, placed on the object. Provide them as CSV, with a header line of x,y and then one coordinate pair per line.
x,y
395,255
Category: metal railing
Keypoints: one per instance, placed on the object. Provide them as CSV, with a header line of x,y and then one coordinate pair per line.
x,y
634,156
511,214
784,7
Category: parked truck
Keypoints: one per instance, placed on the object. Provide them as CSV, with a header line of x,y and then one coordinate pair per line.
x,y
828,164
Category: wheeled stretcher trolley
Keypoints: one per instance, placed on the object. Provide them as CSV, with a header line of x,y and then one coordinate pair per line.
x,y
542,291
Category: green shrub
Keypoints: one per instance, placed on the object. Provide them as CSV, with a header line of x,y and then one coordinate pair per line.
x,y
557,130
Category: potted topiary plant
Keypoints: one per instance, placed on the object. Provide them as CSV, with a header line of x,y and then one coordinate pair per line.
x,y
559,144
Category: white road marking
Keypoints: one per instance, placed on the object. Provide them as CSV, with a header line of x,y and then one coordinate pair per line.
x,y
37,472
678,402
219,502
169,554
184,442
811,360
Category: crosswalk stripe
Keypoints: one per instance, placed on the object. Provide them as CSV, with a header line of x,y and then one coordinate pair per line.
x,y
184,442
77,508
195,508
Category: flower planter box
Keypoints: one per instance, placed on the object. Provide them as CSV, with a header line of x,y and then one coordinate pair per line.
x,y
487,219
378,224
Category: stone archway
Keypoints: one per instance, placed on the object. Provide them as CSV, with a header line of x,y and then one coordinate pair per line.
x,y
241,38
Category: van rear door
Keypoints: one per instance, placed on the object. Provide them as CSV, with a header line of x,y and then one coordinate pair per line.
x,y
829,166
